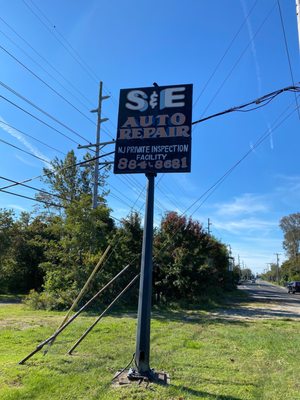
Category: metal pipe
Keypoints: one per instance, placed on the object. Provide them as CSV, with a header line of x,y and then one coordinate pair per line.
x,y
101,315
78,298
55,334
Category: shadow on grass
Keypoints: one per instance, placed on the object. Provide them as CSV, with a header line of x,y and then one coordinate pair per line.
x,y
255,313
11,298
201,393
193,317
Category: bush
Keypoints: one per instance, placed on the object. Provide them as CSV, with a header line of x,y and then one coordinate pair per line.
x,y
49,301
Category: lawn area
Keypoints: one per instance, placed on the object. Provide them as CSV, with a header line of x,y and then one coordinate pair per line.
x,y
206,358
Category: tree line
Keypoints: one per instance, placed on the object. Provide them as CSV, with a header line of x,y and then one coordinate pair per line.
x,y
289,270
51,252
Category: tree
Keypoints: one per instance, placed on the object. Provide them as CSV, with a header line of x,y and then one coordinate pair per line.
x,y
22,250
246,273
188,262
67,181
290,271
7,235
291,229
79,234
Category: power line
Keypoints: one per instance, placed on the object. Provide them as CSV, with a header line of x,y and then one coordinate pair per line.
x,y
209,191
259,102
225,53
53,172
121,193
76,56
78,59
46,84
42,111
287,53
45,202
32,198
24,151
32,187
239,59
38,119
44,69
214,187
32,137
121,200
167,196
46,61
107,132
262,99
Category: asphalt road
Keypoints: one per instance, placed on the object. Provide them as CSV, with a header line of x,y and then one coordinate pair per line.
x,y
265,291
265,301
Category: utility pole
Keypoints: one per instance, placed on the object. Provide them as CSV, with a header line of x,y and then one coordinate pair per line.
x,y
208,226
229,250
97,144
269,266
277,264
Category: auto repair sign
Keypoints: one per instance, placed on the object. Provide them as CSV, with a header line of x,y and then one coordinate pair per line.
x,y
154,130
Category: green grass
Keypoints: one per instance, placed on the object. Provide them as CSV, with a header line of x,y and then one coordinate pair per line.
x,y
205,358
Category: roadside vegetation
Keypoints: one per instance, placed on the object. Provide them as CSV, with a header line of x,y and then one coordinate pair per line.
x,y
289,270
49,254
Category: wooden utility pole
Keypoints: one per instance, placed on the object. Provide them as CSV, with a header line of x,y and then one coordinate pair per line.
x,y
97,144
208,226
277,266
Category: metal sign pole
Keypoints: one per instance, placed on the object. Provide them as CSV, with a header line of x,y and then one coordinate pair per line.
x,y
145,294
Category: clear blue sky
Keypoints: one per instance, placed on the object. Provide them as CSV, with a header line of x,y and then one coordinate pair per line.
x,y
132,44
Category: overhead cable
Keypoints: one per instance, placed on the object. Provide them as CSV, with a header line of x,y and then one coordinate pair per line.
x,y
38,119
287,53
46,84
239,59
44,69
48,203
24,151
31,137
46,61
225,53
42,111
259,102
78,58
261,139
33,188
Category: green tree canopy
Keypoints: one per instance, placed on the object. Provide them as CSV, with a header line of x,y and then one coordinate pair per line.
x,y
290,226
187,260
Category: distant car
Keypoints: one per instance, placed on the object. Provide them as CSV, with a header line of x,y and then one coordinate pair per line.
x,y
253,280
293,287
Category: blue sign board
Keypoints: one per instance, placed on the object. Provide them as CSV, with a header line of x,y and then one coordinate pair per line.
x,y
154,130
